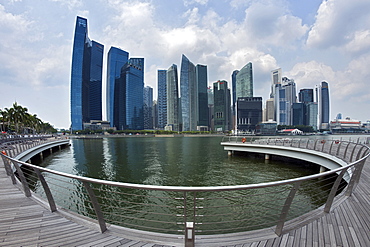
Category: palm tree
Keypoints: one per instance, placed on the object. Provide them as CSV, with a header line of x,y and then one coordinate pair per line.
x,y
18,119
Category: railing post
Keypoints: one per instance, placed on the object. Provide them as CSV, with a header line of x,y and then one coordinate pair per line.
x,y
355,178
23,179
189,225
333,191
8,169
286,207
323,145
96,205
314,147
353,151
345,152
331,146
48,194
338,149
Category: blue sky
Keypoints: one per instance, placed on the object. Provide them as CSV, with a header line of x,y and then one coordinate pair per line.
x,y
310,40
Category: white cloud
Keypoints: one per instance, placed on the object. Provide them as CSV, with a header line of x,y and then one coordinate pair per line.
x,y
192,2
71,4
360,43
337,22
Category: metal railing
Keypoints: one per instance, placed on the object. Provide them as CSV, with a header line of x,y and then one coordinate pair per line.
x,y
190,211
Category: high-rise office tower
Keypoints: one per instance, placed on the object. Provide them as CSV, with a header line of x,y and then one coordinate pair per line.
x,y
116,59
276,78
244,82
222,104
322,99
86,77
249,113
162,98
305,95
189,95
202,82
133,72
210,107
270,110
155,114
233,84
172,99
298,114
148,107
312,114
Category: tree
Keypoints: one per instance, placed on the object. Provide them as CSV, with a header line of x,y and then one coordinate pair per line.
x,y
18,119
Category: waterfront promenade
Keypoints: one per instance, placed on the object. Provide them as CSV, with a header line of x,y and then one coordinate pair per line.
x,y
25,221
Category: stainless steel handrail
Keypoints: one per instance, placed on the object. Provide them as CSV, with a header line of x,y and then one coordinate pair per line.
x,y
190,199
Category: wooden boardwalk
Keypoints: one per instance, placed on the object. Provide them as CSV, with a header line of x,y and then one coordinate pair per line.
x,y
26,222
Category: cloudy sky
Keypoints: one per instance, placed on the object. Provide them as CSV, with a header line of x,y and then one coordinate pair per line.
x,y
310,40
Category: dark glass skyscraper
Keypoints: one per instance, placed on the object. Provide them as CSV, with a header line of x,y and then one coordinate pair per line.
x,y
116,59
202,81
322,98
86,77
162,99
233,83
249,113
189,95
173,109
305,95
244,82
148,107
221,95
134,76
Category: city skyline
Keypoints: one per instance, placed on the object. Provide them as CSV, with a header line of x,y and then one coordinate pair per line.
x,y
312,41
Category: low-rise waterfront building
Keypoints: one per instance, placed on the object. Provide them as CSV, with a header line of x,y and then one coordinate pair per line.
x,y
346,125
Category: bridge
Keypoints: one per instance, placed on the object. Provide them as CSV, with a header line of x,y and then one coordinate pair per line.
x,y
342,220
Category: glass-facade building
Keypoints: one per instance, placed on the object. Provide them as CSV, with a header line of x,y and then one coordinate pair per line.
x,y
162,98
244,82
148,107
305,95
276,78
86,77
189,95
173,109
117,58
323,103
134,75
221,107
249,113
202,82
233,90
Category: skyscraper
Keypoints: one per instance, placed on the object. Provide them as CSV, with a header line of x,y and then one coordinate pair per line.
x,y
244,82
172,99
276,78
322,99
116,59
86,77
134,75
249,113
162,98
202,81
148,107
189,95
222,105
306,95
233,84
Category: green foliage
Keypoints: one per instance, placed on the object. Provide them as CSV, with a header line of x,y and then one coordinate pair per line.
x,y
17,119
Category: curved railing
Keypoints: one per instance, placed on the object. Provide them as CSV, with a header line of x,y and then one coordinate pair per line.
x,y
190,211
